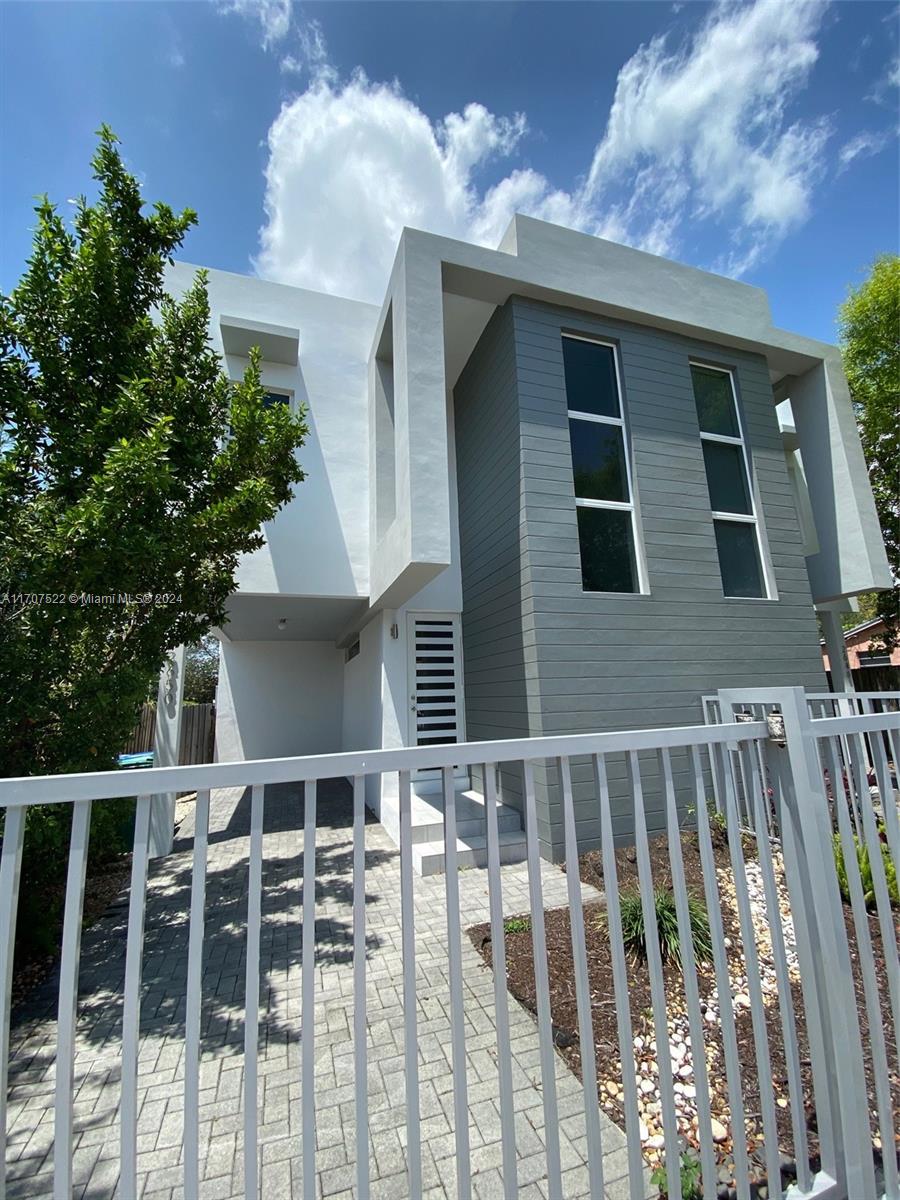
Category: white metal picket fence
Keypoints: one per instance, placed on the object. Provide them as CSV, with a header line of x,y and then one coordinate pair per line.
x,y
819,705
825,704
797,977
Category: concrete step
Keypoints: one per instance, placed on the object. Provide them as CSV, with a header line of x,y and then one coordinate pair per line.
x,y
429,859
427,817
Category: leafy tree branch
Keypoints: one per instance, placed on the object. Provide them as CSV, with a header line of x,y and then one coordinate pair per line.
x,y
869,323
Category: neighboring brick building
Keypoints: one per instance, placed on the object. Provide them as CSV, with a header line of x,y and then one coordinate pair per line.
x,y
860,652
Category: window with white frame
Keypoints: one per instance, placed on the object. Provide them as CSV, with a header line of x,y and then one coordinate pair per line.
x,y
728,480
601,466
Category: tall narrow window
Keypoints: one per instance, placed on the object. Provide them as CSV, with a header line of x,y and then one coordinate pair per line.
x,y
600,463
728,481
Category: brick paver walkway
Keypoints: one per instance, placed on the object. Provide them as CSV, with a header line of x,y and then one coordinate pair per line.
x,y
221,1118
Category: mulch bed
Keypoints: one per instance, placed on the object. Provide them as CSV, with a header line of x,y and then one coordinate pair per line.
x,y
564,1015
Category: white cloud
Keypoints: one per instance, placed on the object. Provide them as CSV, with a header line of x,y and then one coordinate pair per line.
x,y
711,115
173,54
524,191
863,145
884,91
860,54
696,138
274,16
350,166
311,56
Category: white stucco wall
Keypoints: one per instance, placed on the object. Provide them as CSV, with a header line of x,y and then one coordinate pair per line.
x,y
376,683
361,728
415,545
850,557
318,545
363,704
278,699
632,280
444,592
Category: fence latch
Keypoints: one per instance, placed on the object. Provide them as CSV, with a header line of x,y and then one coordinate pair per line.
x,y
775,722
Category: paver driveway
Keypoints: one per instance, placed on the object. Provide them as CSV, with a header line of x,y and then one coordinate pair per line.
x,y
221,1119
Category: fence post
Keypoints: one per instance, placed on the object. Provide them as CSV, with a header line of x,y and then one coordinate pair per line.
x,y
832,1021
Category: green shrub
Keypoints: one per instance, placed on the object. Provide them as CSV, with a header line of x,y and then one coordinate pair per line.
x,y
718,832
517,925
690,1178
633,932
718,825
865,872
45,857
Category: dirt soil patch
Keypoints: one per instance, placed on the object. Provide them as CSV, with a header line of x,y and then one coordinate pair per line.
x,y
521,983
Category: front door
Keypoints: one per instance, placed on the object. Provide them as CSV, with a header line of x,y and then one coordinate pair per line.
x,y
435,684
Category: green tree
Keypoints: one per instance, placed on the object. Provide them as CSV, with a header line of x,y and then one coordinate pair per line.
x,y
868,610
130,467
869,324
201,671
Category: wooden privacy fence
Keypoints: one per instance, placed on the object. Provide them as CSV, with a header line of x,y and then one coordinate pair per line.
x,y
142,737
198,727
872,679
198,730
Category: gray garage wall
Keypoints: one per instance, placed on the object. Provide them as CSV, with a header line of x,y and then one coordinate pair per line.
x,y
544,657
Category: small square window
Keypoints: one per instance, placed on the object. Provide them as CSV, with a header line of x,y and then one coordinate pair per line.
x,y
726,478
598,461
606,539
715,402
739,559
590,370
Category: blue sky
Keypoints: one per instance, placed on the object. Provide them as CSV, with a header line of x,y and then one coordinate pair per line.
x,y
757,139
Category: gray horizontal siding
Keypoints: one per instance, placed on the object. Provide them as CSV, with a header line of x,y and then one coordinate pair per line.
x,y
541,655
635,661
501,694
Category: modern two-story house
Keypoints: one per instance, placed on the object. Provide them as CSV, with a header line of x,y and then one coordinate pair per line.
x,y
548,491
